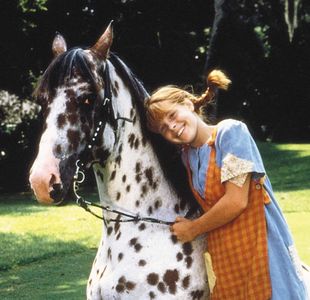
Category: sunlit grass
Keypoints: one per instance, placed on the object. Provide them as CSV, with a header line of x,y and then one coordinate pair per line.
x,y
45,252
294,201
30,232
299,224
288,167
60,277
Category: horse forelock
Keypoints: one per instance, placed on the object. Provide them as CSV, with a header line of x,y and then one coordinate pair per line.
x,y
74,63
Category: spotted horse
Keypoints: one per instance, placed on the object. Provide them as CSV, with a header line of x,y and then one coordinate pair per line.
x,y
136,171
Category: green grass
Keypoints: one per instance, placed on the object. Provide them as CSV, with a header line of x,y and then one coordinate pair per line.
x,y
58,277
288,167
299,224
47,252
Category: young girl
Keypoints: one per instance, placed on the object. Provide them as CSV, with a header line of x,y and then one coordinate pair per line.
x,y
251,248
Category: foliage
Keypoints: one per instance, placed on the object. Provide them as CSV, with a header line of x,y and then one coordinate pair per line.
x,y
251,44
31,6
269,72
18,133
14,111
261,32
172,42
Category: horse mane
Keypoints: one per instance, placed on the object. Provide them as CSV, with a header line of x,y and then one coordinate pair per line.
x,y
62,69
167,153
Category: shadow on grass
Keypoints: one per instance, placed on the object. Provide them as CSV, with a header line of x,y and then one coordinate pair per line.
x,y
59,277
19,204
287,169
23,249
20,208
25,203
39,267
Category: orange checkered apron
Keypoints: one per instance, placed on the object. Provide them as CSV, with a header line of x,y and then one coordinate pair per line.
x,y
238,249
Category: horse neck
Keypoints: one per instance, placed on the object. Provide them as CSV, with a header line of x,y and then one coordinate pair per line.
x,y
132,177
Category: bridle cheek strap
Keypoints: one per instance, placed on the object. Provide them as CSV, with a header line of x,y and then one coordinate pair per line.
x,y
106,111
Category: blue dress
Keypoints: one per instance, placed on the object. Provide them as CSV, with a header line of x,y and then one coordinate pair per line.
x,y
237,155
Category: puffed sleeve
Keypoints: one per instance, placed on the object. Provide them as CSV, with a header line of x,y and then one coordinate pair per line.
x,y
237,153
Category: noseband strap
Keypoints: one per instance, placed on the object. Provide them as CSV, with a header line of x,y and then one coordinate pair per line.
x,y
106,106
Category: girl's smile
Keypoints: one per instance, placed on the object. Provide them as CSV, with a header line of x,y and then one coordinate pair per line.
x,y
181,131
182,126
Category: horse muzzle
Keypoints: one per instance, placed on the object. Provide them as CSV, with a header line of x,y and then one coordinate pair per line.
x,y
45,187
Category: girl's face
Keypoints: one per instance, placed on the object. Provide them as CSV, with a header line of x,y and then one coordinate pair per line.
x,y
179,125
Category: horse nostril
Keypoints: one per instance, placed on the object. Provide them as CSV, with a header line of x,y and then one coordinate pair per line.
x,y
52,180
57,187
56,192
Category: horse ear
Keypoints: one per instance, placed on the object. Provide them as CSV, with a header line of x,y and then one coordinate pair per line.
x,y
59,45
102,46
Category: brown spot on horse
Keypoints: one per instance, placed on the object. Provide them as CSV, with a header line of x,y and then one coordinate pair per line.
x,y
185,282
170,278
73,118
61,120
74,138
152,278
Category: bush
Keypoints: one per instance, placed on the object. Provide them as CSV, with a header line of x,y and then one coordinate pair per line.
x,y
19,130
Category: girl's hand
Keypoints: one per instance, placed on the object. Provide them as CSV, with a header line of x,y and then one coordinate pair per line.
x,y
183,229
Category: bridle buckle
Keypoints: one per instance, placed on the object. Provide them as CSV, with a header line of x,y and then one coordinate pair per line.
x,y
106,101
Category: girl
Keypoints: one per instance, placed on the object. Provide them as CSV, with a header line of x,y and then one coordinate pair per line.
x,y
252,251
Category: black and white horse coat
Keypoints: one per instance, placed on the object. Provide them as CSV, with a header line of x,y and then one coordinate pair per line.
x,y
134,173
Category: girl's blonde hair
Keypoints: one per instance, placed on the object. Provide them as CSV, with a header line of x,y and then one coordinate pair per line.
x,y
165,98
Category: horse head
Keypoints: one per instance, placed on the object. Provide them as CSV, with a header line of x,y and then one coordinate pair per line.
x,y
70,92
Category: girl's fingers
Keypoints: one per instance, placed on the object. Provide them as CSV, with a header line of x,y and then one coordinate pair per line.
x,y
180,219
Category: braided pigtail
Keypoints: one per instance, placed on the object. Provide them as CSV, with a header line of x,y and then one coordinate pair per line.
x,y
216,80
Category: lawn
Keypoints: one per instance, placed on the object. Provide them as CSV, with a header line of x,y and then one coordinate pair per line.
x,y
47,252
288,167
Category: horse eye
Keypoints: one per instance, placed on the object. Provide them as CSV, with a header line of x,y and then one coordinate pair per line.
x,y
87,101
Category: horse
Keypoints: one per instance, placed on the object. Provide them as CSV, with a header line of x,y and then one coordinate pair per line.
x,y
136,171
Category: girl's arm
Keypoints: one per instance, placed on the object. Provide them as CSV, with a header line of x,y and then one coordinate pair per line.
x,y
230,206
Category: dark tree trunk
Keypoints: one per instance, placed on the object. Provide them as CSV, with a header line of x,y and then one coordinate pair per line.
x,y
235,48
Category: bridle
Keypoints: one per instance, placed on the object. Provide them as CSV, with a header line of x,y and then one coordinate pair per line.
x,y
108,116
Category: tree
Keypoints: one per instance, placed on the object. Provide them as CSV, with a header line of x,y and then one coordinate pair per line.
x,y
251,40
